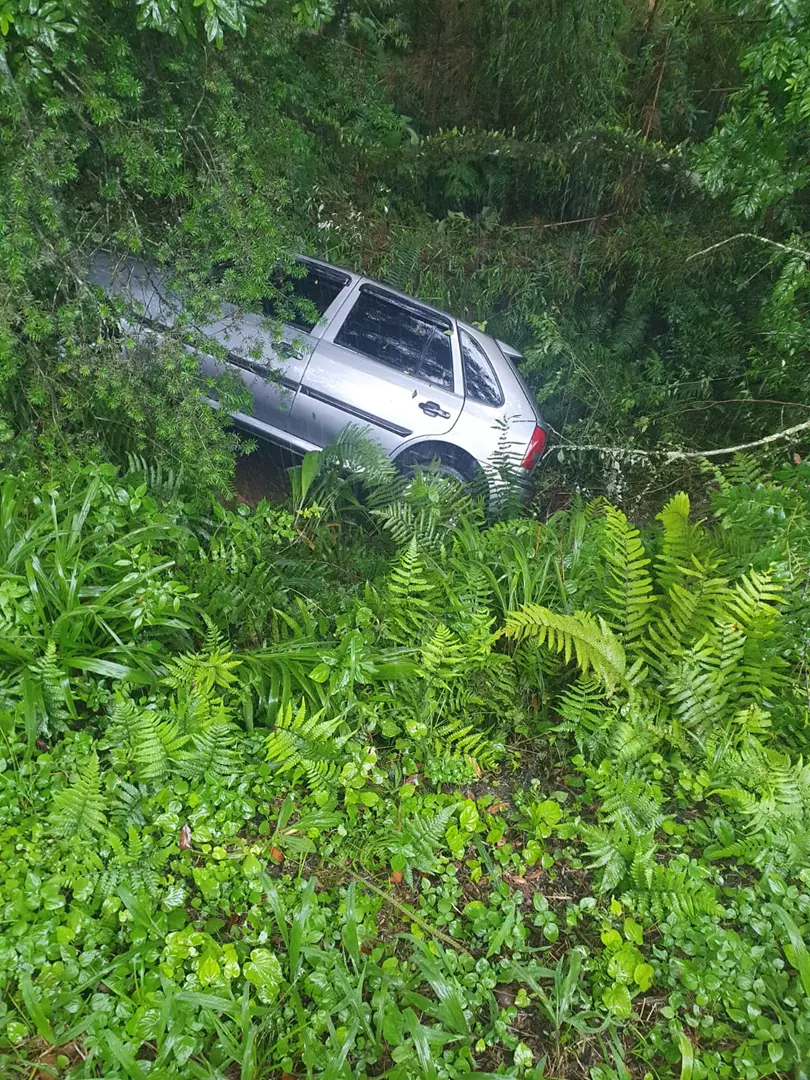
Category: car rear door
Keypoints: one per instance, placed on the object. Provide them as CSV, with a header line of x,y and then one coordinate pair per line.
x,y
385,362
272,367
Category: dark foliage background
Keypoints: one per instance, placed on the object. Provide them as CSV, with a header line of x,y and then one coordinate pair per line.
x,y
554,171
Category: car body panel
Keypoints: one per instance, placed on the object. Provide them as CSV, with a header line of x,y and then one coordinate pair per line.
x,y
306,385
342,386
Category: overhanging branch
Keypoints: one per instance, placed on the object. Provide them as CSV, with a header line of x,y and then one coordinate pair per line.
x,y
678,455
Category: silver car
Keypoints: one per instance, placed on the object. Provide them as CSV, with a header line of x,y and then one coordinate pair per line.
x,y
429,387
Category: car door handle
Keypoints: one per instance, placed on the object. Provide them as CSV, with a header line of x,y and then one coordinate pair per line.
x,y
432,408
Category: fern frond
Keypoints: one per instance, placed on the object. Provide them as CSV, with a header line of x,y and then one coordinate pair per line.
x,y
453,739
610,851
681,540
81,808
305,745
442,654
631,590
754,597
127,803
213,756
582,707
698,697
695,603
744,470
582,636
214,667
679,887
164,482
156,746
424,835
409,594
631,806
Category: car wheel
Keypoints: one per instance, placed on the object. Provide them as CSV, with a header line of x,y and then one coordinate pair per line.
x,y
445,462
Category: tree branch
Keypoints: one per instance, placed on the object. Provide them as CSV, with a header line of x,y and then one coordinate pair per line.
x,y
748,401
751,236
679,455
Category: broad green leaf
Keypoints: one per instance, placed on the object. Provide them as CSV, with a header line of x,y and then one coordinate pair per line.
x,y
263,970
208,970
618,1000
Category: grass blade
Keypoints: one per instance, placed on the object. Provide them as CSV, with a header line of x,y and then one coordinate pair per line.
x,y
298,927
687,1057
801,958
35,1009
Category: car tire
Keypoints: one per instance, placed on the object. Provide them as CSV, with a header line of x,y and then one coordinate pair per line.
x,y
447,461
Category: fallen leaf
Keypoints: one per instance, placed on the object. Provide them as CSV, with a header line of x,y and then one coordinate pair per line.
x,y
184,840
276,854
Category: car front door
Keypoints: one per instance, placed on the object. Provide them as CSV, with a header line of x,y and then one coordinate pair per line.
x,y
271,366
386,363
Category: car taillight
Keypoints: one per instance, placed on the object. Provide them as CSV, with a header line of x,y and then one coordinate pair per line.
x,y
536,446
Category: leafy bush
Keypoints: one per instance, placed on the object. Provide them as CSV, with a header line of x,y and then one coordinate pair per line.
x,y
529,801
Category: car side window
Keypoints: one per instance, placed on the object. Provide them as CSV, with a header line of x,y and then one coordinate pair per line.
x,y
404,337
479,378
303,301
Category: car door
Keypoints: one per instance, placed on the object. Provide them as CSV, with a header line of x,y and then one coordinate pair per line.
x,y
385,362
272,367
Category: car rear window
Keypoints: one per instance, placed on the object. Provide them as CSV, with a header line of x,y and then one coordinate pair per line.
x,y
303,301
479,379
402,336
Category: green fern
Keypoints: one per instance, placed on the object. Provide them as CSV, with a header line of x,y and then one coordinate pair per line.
x,y
160,481
305,745
682,541
583,709
754,598
586,638
417,841
156,746
678,887
627,801
776,794
130,864
612,852
410,596
53,688
81,808
631,590
424,835
443,654
744,471
456,740
698,698
214,667
213,756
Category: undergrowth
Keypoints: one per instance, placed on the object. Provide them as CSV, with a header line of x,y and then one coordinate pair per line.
x,y
371,785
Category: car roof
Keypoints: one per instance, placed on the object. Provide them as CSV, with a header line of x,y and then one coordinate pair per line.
x,y
507,351
377,284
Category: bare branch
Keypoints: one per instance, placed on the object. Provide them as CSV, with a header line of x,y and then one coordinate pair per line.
x,y
680,455
751,236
